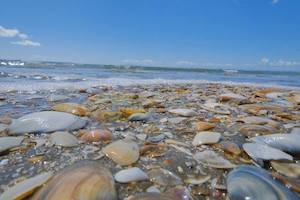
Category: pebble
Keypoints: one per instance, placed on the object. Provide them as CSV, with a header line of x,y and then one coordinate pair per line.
x,y
206,137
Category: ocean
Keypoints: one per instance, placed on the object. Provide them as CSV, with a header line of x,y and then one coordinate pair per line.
x,y
76,76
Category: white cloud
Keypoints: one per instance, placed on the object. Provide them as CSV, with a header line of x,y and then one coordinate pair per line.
x,y
279,63
185,62
140,62
275,1
5,32
15,33
27,43
264,60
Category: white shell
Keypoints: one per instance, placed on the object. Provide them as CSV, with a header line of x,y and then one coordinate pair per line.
x,y
7,143
131,174
47,121
183,112
206,137
64,139
264,152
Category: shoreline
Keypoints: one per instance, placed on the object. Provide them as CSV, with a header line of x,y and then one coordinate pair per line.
x,y
192,135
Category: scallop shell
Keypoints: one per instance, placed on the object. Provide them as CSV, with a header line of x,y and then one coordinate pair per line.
x,y
249,182
83,180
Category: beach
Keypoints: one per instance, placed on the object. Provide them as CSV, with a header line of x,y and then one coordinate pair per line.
x,y
150,141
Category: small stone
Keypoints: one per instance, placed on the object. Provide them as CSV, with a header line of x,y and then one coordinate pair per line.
x,y
7,143
96,135
126,112
230,147
204,126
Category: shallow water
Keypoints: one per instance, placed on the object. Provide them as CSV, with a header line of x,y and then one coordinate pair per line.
x,y
53,77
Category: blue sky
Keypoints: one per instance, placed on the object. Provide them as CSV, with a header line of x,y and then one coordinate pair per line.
x,y
212,33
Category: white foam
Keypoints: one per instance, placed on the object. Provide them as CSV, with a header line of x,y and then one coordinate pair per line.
x,y
37,86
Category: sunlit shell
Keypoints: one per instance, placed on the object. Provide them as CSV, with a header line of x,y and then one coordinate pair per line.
x,y
46,121
83,180
7,143
122,152
249,182
206,137
96,135
204,126
72,108
261,151
126,112
212,159
25,188
287,169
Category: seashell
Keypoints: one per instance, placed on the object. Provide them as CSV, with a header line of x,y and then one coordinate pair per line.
x,y
152,103
131,174
230,147
7,143
139,117
47,121
183,112
25,188
260,151
294,98
96,135
72,108
259,121
164,177
197,180
206,137
62,138
152,196
287,169
231,97
249,182
126,112
285,142
152,189
176,120
204,126
212,159
3,128
82,180
216,108
122,152
251,130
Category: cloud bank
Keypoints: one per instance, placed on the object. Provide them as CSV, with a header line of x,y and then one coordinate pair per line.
x,y
279,63
15,33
